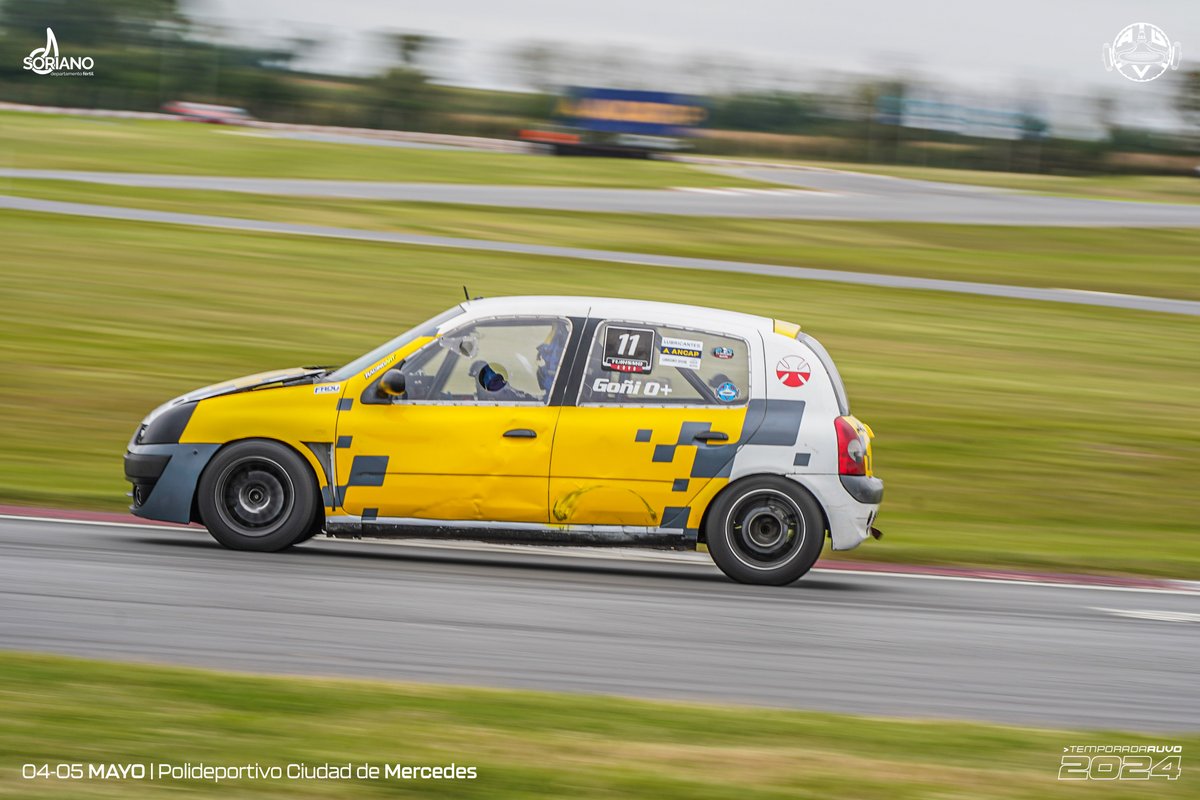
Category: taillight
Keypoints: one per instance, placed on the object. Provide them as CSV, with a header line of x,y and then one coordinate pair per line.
x,y
852,450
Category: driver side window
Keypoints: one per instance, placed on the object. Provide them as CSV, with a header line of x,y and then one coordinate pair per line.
x,y
510,360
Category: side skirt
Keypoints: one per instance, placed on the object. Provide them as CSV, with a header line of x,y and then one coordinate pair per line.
x,y
354,527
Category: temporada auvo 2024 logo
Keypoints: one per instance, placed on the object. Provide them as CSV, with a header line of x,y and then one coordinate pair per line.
x,y
46,61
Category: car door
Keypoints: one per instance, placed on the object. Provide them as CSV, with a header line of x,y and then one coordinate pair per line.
x,y
659,413
471,438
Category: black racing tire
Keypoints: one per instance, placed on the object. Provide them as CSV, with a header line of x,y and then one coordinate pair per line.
x,y
765,530
257,495
317,526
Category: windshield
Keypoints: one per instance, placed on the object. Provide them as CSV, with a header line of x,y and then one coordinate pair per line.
x,y
427,328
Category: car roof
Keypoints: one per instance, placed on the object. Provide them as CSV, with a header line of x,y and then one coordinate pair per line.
x,y
618,308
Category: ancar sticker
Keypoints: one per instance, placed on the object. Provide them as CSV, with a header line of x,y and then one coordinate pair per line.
x,y
684,353
727,392
628,349
793,371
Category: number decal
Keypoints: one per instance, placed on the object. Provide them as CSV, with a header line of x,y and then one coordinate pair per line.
x,y
627,349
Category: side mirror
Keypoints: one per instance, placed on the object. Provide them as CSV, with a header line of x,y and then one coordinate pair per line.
x,y
392,383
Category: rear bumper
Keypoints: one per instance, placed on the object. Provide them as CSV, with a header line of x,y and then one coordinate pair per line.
x,y
850,518
863,488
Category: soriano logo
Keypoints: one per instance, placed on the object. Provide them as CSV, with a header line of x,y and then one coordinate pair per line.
x,y
45,60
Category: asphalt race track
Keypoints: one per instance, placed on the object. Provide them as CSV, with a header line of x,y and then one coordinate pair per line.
x,y
836,196
1075,296
672,628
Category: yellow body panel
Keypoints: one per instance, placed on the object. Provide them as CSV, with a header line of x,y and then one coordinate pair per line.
x,y
617,465
289,414
448,462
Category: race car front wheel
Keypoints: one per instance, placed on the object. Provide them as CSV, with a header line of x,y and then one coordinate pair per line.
x,y
257,495
765,530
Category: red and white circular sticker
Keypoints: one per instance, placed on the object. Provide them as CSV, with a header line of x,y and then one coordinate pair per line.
x,y
792,371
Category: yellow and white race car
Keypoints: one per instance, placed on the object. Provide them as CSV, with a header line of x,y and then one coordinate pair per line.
x,y
573,420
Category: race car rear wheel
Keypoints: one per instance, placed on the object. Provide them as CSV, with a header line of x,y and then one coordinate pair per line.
x,y
257,495
765,530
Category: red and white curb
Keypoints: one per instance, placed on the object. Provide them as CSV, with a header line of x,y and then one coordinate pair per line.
x,y
831,566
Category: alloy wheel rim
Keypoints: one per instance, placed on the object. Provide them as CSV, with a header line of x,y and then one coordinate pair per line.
x,y
765,529
254,496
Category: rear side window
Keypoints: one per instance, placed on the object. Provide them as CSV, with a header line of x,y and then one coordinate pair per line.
x,y
634,363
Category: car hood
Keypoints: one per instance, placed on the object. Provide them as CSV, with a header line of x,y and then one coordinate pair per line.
x,y
248,382
245,383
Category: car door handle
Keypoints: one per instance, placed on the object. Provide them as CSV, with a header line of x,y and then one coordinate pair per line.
x,y
520,433
711,436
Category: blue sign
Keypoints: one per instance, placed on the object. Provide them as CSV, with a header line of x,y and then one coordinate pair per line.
x,y
631,111
727,392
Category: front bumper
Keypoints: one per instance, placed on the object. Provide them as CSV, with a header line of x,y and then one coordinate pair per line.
x,y
143,471
164,478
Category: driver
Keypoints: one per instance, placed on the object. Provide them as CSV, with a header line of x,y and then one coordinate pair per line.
x,y
491,380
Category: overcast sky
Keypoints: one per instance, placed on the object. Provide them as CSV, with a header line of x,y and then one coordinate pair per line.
x,y
1054,45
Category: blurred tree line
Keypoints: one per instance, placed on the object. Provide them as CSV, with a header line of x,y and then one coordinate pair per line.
x,y
150,52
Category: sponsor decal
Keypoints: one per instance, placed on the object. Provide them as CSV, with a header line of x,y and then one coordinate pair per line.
x,y
727,392
327,388
46,61
379,366
793,371
1141,52
632,387
723,352
628,349
682,353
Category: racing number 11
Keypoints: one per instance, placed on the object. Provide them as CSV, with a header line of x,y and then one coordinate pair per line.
x,y
631,341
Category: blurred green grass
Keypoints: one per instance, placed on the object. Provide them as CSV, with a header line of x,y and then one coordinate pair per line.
x,y
1011,433
1160,262
44,141
523,744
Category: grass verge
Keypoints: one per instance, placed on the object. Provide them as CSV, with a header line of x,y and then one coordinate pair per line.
x,y
1159,262
1010,433
523,744
44,141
